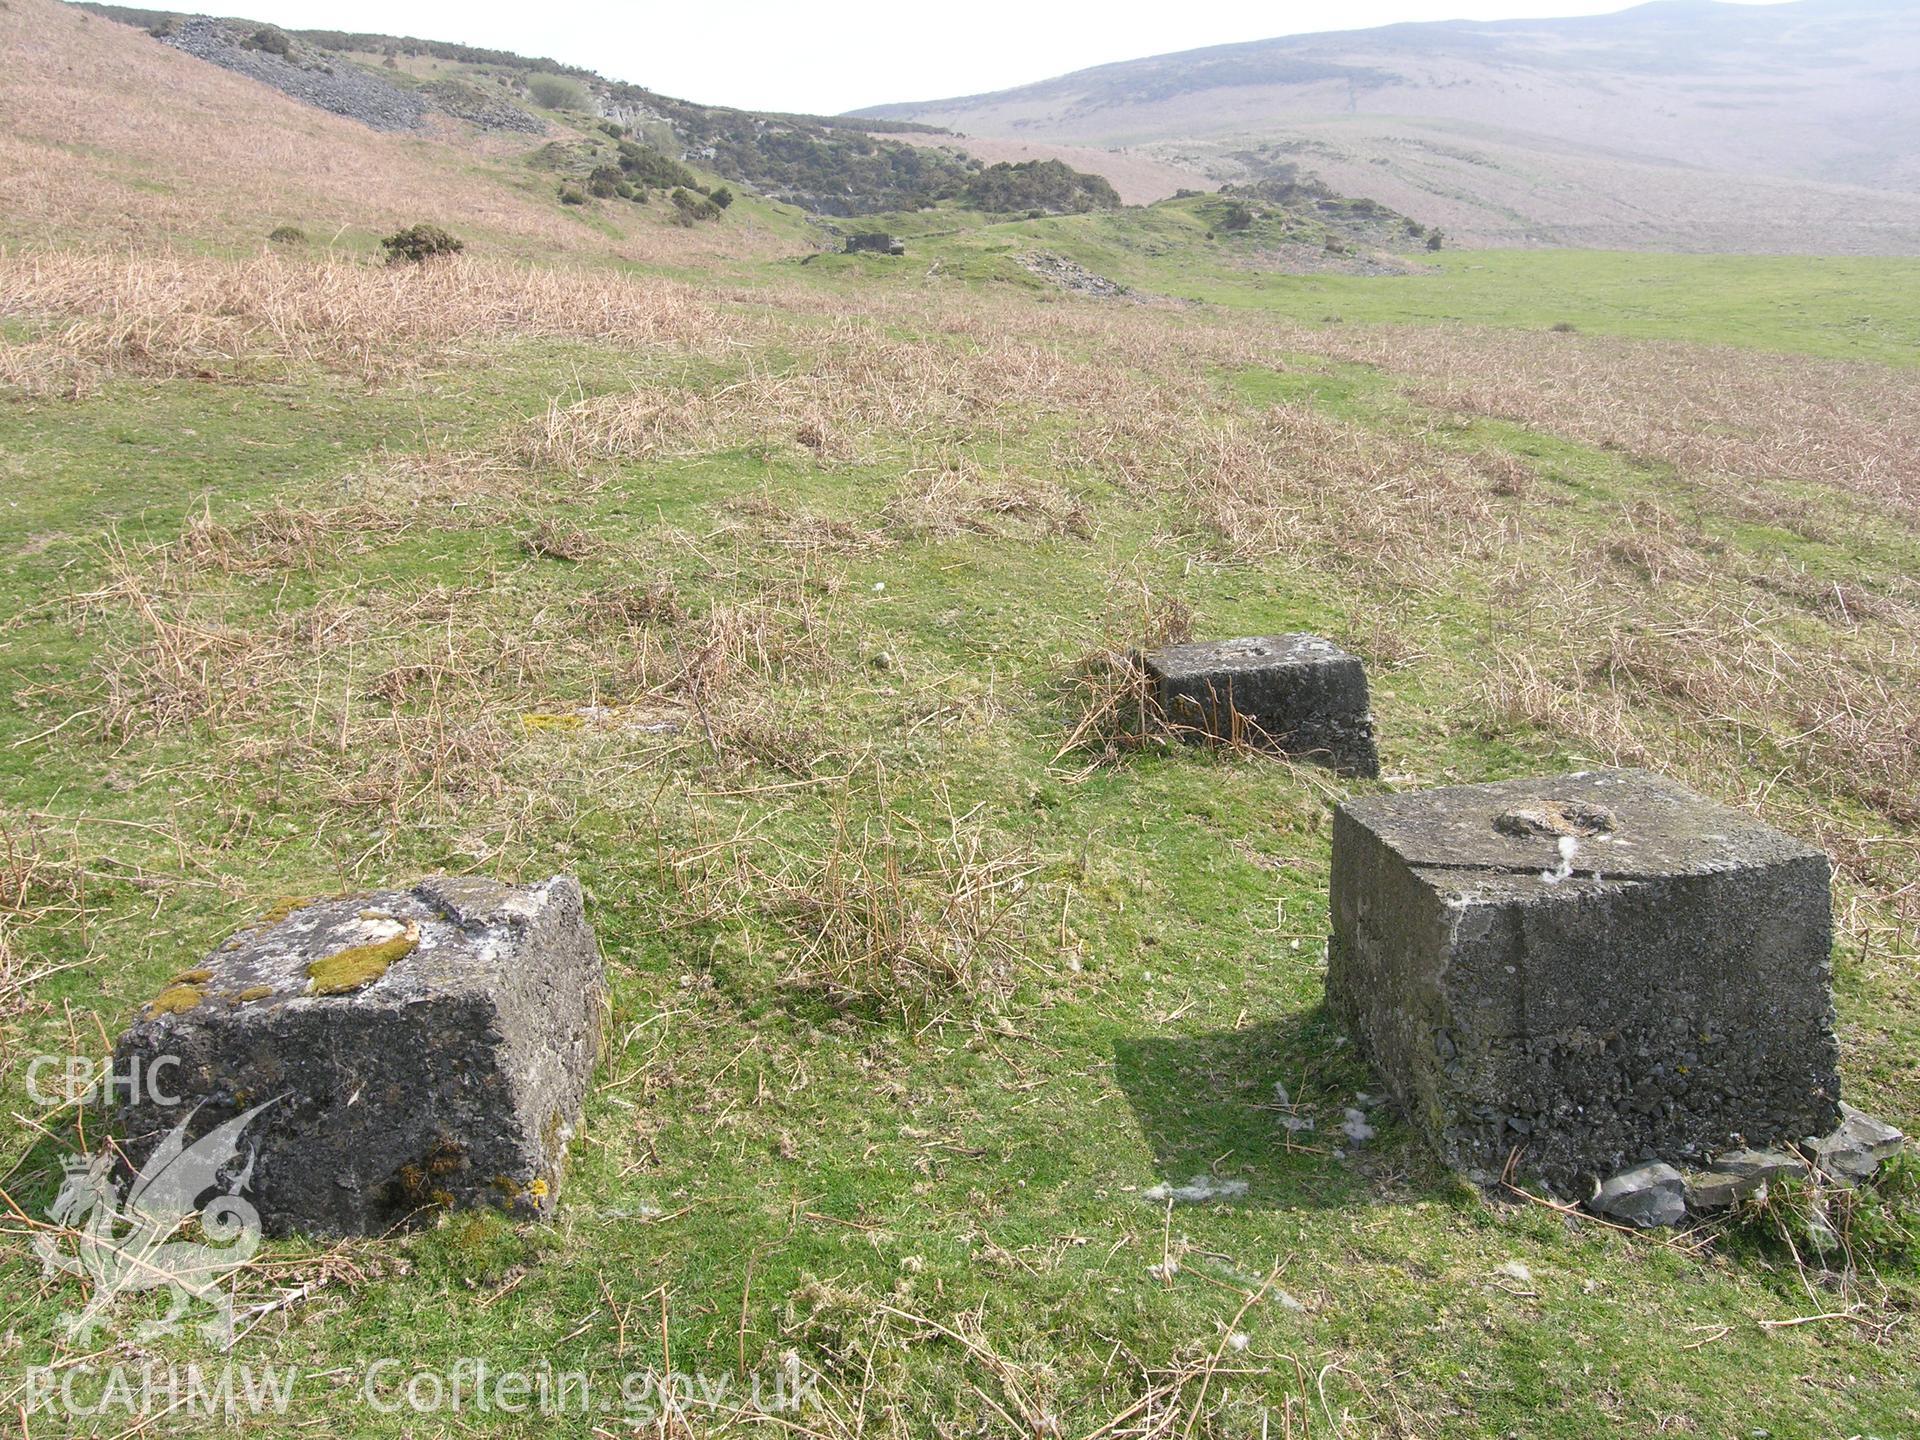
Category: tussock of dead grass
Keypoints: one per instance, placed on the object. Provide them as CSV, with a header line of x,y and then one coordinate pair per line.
x,y
1111,705
96,316
956,497
923,918
1218,1388
1298,483
857,392
37,887
170,657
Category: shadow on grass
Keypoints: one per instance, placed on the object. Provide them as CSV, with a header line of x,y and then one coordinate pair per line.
x,y
1209,1108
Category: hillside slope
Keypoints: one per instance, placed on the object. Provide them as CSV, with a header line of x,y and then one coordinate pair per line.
x,y
1684,124
107,135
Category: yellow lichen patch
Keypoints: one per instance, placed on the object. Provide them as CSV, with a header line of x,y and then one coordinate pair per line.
x,y
176,1000
537,1189
191,977
283,907
552,722
359,965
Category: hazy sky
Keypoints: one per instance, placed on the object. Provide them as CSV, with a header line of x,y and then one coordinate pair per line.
x,y
826,56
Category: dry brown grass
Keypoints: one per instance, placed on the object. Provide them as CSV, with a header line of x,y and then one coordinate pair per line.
x,y
956,496
1201,1392
927,919
93,316
1714,413
1296,483
856,392
37,887
1111,706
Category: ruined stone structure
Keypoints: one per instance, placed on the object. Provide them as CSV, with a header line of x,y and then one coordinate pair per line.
x,y
1596,970
423,1049
1295,694
876,242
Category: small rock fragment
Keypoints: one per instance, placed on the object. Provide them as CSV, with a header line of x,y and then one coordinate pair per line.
x,y
1858,1147
1734,1176
1647,1196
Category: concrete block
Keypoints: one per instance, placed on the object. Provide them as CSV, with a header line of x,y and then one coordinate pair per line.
x,y
1598,969
423,1049
1295,694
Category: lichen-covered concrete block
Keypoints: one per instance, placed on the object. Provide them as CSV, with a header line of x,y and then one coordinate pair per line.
x,y
1296,694
426,1048
1598,969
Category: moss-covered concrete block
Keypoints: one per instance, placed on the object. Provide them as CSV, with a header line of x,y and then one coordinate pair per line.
x,y
1297,695
1594,970
423,1049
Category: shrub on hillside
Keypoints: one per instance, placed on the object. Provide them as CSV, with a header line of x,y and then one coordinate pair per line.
x,y
572,195
557,92
694,207
287,235
418,244
1049,185
646,166
271,40
1436,240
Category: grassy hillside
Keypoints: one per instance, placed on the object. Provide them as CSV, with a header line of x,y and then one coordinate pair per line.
x,y
1701,127
110,137
786,601
1832,307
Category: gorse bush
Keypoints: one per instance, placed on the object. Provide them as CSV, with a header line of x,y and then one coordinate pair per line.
x,y
558,92
1049,185
270,40
692,206
646,166
419,243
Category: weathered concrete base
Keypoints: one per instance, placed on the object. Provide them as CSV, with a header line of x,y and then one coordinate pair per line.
x,y
1297,695
1593,970
428,1048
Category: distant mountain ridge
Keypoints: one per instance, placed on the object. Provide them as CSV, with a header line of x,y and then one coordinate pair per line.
x,y
1684,123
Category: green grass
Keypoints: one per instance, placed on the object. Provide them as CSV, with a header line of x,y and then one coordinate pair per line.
x,y
762,1170
1832,307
